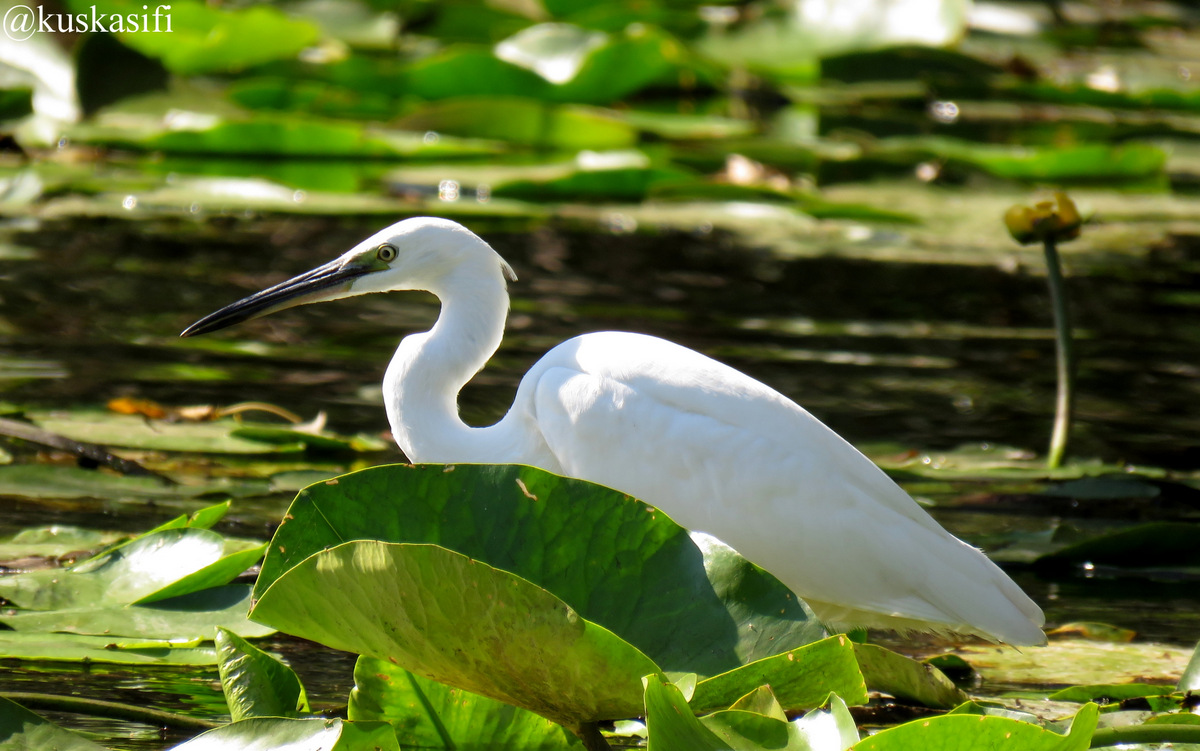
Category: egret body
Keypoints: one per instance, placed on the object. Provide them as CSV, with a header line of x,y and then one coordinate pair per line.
x,y
715,449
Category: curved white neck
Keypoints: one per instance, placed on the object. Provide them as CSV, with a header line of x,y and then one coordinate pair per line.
x,y
428,370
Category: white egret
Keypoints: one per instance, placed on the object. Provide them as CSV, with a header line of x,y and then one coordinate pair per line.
x,y
715,449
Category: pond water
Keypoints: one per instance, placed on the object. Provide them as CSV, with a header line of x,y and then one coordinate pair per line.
x,y
900,351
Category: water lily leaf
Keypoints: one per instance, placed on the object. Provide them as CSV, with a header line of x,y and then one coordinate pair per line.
x,y
323,441
107,649
269,733
428,714
459,621
22,729
274,135
255,683
1106,488
1076,662
1111,692
1144,545
526,122
800,679
688,602
468,71
670,723
216,574
193,37
53,541
136,432
1190,680
628,184
139,569
54,481
906,679
189,617
747,731
1088,162
591,66
975,731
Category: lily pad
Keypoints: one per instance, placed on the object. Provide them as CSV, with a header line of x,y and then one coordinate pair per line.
x,y
22,729
163,564
976,731
53,541
1108,693
670,723
271,733
109,649
193,37
905,678
1076,662
189,617
428,714
690,604
459,621
255,683
525,122
800,679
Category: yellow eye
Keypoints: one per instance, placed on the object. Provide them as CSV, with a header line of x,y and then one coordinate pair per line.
x,y
386,253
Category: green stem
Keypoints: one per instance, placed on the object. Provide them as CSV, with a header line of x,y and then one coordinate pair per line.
x,y
1064,349
1158,733
100,708
593,739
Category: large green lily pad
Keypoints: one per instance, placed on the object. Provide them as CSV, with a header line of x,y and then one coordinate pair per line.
x,y
691,605
440,614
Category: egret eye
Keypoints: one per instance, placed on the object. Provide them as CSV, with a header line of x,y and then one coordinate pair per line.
x,y
386,253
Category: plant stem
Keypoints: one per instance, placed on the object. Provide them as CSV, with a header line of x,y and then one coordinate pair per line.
x,y
593,739
1064,404
1158,733
100,708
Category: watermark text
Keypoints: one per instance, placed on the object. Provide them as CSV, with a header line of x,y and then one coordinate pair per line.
x,y
23,21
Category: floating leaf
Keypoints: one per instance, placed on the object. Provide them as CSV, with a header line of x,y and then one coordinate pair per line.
x,y
189,617
54,481
905,678
193,37
428,714
53,541
22,729
800,679
1108,693
690,604
255,683
218,573
264,733
974,731
134,571
524,121
1144,545
440,614
119,650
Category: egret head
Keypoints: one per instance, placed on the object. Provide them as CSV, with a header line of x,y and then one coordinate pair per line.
x,y
418,253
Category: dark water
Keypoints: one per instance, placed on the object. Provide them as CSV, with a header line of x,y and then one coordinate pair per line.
x,y
896,356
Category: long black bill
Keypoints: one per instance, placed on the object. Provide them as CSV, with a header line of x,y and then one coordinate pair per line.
x,y
319,284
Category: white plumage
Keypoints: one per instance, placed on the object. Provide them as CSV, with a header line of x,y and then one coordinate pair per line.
x,y
715,449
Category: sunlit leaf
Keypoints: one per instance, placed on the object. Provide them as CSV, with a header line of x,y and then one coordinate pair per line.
x,y
800,679
269,733
974,731
440,614
699,607
670,724
255,683
1108,693
1190,680
428,714
218,573
107,649
525,122
905,678
193,37
134,571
